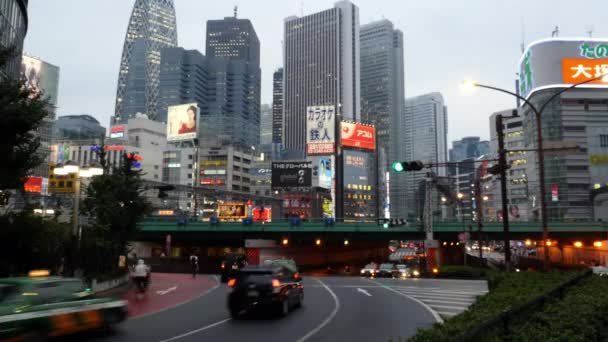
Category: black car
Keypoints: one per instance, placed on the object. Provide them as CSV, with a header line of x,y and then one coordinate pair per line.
x,y
278,288
231,264
387,270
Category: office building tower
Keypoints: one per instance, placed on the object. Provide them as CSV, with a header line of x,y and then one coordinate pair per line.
x,y
382,100
222,89
234,39
13,27
321,67
277,106
468,147
152,27
426,140
266,129
78,127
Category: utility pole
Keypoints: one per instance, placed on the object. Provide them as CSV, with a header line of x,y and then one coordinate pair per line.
x,y
502,169
479,197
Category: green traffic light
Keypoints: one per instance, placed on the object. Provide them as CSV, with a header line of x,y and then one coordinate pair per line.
x,y
385,226
398,166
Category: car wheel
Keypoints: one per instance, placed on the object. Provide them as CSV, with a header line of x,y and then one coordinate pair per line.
x,y
284,307
300,300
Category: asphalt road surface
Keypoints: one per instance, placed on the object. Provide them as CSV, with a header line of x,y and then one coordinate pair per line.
x,y
334,309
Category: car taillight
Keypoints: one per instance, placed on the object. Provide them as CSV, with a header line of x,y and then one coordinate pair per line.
x,y
232,282
223,265
296,276
276,283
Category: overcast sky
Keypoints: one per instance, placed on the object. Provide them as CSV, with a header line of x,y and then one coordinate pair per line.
x,y
446,41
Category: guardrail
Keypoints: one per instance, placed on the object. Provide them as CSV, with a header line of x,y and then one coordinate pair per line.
x,y
501,323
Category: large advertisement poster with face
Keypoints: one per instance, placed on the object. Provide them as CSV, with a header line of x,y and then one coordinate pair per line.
x,y
359,191
182,122
41,78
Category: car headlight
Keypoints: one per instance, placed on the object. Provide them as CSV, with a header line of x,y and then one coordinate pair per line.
x,y
416,273
362,271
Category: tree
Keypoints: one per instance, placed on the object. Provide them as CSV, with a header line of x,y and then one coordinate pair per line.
x,y
116,203
21,114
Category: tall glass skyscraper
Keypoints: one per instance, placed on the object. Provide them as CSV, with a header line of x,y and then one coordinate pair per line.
x,y
233,38
277,106
152,27
13,26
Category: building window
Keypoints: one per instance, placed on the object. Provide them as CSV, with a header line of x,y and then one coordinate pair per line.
x,y
190,156
155,167
604,140
189,176
190,166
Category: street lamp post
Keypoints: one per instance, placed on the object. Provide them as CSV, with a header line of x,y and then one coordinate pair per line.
x,y
469,85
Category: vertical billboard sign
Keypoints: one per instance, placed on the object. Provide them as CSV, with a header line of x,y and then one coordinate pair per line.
x,y
320,130
182,122
322,172
358,135
359,193
554,193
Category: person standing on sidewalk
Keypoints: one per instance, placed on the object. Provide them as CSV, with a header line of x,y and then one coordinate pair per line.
x,y
194,265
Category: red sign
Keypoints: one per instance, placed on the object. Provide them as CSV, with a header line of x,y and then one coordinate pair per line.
x,y
114,147
358,135
262,216
115,129
33,184
320,148
554,193
212,182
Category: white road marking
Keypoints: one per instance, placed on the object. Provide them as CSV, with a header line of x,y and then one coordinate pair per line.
x,y
450,307
429,309
328,319
434,300
164,292
364,292
197,330
448,314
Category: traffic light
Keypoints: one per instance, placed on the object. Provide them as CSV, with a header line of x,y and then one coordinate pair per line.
x,y
397,222
416,165
495,170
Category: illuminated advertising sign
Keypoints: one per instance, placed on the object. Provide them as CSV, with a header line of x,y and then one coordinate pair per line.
x,y
322,172
117,131
40,77
359,191
232,210
206,163
358,135
286,175
559,62
208,181
33,184
182,122
554,193
320,130
262,214
61,183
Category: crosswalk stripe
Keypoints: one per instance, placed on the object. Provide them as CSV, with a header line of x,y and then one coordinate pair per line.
x,y
450,307
434,300
448,314
455,293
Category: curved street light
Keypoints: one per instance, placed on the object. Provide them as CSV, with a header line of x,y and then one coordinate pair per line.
x,y
469,86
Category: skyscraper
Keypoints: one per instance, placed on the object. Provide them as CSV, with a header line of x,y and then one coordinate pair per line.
x,y
425,140
468,147
321,61
266,129
277,106
233,38
152,27
13,24
222,89
382,100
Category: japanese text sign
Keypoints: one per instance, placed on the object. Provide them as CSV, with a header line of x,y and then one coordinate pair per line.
x,y
580,70
320,130
357,135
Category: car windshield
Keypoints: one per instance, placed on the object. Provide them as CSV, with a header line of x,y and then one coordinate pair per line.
x,y
402,267
386,266
370,266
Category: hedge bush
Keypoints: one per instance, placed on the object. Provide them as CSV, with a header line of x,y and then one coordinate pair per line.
x,y
512,289
582,315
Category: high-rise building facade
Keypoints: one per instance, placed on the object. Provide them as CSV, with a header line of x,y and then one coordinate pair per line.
x,y
152,27
468,147
233,38
426,140
321,67
77,127
266,129
382,100
277,106
13,27
221,87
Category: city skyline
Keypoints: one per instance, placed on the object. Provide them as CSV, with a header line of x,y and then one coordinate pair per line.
x,y
95,66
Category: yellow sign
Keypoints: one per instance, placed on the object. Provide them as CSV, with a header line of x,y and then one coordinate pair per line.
x,y
213,163
597,159
58,183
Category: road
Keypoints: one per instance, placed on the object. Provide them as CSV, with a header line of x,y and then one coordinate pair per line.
x,y
335,308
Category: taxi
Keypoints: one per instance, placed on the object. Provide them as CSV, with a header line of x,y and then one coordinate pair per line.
x,y
41,306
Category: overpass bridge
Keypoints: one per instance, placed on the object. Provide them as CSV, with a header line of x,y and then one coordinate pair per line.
x,y
156,229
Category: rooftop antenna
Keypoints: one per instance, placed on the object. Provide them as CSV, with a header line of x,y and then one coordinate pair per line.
x,y
555,33
236,8
589,30
522,46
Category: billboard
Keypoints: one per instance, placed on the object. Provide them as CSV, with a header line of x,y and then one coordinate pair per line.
x,y
322,172
561,62
320,130
117,131
262,214
358,135
40,77
288,175
182,122
359,190
232,210
61,183
33,184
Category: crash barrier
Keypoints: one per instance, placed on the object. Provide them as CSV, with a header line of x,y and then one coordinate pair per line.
x,y
108,284
500,324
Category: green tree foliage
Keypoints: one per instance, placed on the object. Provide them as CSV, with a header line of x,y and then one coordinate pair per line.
x,y
21,114
116,203
30,242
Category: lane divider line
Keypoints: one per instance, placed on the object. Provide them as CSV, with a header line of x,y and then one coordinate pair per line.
x,y
217,284
328,319
197,330
428,308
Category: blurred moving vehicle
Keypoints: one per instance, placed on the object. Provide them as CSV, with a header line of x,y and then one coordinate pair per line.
x,y
275,285
387,270
231,264
369,270
38,307
404,271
